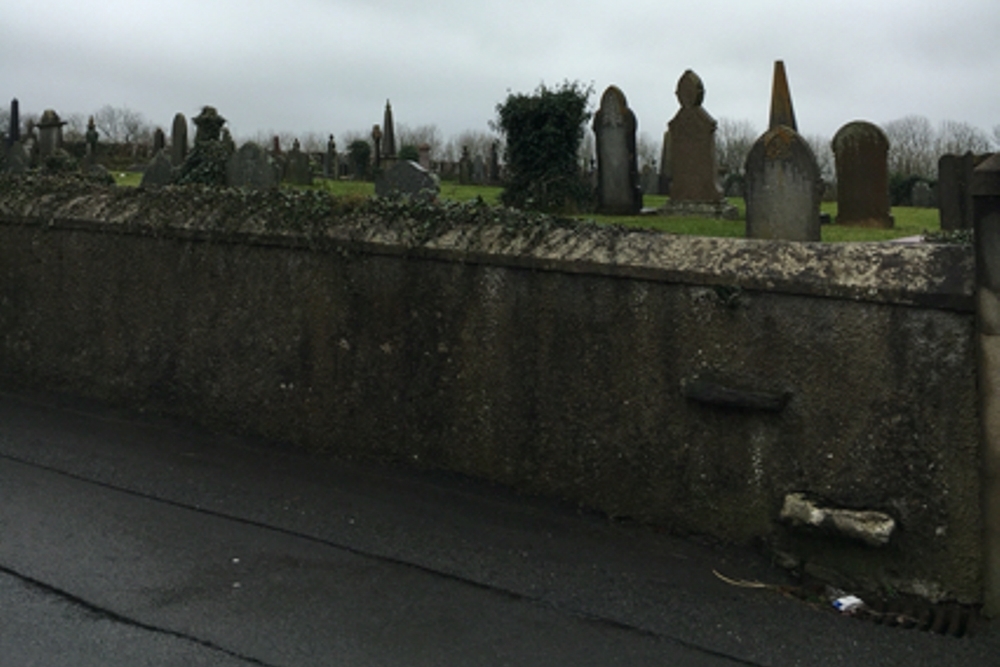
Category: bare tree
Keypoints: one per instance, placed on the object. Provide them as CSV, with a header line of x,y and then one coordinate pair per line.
x,y
821,148
957,138
122,125
477,141
996,135
76,127
733,140
647,150
417,136
912,147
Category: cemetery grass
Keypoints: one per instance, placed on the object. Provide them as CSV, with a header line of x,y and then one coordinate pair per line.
x,y
908,221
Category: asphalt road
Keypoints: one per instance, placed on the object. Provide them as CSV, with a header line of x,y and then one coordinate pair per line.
x,y
132,540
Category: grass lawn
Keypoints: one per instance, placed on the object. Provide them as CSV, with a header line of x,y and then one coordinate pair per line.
x,y
909,221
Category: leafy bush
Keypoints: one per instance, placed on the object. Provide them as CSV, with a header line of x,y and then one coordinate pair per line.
x,y
409,152
359,153
543,132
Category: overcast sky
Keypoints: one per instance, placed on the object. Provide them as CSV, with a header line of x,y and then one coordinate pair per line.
x,y
328,66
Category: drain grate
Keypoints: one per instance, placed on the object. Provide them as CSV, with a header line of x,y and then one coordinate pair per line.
x,y
952,619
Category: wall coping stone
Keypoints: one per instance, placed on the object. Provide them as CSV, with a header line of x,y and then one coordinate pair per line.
x,y
931,275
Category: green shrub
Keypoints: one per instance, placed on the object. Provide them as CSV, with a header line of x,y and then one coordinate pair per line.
x,y
543,134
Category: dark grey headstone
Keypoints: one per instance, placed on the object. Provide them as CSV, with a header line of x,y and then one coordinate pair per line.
x,y
298,170
14,132
783,187
861,152
407,179
160,171
618,191
252,168
954,197
159,140
178,140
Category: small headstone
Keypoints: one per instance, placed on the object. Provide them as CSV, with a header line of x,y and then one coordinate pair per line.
x,y
92,136
330,158
159,141
14,131
407,179
159,172
782,112
665,165
424,151
618,191
465,167
18,161
49,133
298,171
692,146
783,188
861,152
479,170
650,180
922,196
377,143
178,140
252,168
494,175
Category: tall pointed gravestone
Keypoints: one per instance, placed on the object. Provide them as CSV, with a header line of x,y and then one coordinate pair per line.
x,y
694,189
618,190
388,138
783,184
861,151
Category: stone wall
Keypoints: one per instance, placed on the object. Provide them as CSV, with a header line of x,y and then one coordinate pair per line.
x,y
688,382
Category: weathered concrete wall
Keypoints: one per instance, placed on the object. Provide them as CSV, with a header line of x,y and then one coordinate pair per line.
x,y
689,382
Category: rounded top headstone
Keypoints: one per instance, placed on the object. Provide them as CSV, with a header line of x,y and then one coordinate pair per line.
x,y
690,90
857,133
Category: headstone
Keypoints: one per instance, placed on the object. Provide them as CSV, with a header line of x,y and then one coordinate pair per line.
x,y
49,133
479,170
861,152
159,141
275,146
329,158
14,131
782,112
465,167
424,151
665,165
494,175
377,143
92,136
252,168
650,180
614,124
954,197
18,161
783,188
922,196
159,172
388,134
178,140
407,179
692,146
298,170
